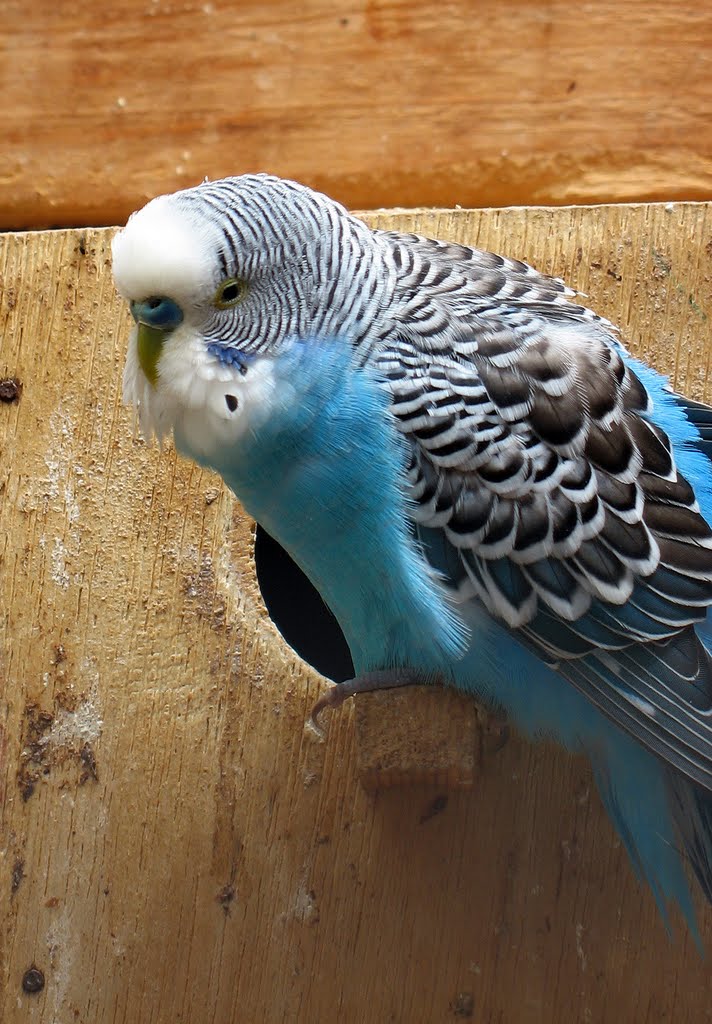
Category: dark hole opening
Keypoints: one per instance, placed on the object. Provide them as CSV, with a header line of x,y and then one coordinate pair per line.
x,y
298,611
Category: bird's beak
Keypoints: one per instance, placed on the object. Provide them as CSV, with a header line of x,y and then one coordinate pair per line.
x,y
156,318
150,345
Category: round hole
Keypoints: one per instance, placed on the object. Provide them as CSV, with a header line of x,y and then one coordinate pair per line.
x,y
298,612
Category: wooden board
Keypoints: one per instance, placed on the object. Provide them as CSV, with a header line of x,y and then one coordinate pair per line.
x,y
175,845
378,102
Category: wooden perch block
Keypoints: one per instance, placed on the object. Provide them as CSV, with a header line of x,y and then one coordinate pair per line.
x,y
174,843
424,736
421,735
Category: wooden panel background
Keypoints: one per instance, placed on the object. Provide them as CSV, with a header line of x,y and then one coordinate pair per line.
x,y
378,102
175,846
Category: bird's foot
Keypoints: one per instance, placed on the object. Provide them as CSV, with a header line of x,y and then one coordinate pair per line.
x,y
384,679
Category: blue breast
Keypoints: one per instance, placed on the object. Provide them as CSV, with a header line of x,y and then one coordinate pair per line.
x,y
324,475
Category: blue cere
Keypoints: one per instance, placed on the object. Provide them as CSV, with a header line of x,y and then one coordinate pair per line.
x,y
230,356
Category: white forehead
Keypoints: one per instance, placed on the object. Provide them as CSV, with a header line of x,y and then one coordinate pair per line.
x,y
166,248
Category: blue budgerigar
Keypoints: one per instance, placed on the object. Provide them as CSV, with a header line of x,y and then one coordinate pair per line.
x,y
483,485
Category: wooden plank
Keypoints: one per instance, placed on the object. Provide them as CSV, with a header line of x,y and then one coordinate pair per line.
x,y
175,845
378,102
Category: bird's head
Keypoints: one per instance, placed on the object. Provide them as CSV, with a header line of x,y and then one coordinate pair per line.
x,y
217,278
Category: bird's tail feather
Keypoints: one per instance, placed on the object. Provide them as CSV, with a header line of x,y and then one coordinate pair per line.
x,y
648,804
661,815
691,808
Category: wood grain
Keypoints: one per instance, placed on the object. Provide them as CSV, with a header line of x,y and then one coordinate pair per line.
x,y
175,845
378,102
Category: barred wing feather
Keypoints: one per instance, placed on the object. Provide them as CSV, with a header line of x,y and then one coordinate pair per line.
x,y
545,487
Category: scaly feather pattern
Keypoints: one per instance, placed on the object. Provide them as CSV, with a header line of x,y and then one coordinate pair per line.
x,y
482,483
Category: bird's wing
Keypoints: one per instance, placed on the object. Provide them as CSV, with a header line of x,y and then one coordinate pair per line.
x,y
544,487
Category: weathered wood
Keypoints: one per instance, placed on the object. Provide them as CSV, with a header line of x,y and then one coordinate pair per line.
x,y
378,102
175,845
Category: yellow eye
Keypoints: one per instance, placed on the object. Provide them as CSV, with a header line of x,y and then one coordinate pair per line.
x,y
230,292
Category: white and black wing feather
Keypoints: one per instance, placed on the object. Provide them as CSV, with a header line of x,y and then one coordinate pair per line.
x,y
544,488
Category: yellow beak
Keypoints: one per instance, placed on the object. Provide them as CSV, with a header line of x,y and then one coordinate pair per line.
x,y
150,344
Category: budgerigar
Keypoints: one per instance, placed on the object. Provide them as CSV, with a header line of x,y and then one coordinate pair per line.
x,y
483,485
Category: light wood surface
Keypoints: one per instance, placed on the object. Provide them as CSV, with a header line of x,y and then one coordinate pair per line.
x,y
175,844
378,102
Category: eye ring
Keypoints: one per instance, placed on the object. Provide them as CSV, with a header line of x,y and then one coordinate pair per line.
x,y
231,292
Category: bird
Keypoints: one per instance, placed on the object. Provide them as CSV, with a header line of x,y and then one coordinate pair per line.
x,y
487,490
